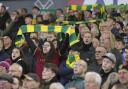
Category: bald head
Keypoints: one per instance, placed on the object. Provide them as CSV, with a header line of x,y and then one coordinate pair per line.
x,y
15,70
99,52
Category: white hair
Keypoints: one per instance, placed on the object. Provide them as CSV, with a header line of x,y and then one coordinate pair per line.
x,y
56,85
93,77
16,65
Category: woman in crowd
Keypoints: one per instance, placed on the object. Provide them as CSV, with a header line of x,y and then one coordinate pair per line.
x,y
43,53
17,57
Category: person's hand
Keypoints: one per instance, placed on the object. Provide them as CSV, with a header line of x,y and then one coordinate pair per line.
x,y
113,77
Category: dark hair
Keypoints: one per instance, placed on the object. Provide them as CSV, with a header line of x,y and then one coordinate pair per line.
x,y
126,47
120,39
16,12
51,66
29,16
51,52
39,16
3,7
35,7
60,10
21,52
25,9
36,40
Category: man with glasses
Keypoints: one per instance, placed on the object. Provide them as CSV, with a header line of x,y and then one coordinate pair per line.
x,y
96,65
79,69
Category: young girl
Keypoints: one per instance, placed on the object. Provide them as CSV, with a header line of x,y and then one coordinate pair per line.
x,y
17,57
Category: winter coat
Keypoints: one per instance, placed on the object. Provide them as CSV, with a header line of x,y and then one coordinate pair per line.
x,y
87,53
65,73
3,20
77,81
20,62
46,84
3,55
105,75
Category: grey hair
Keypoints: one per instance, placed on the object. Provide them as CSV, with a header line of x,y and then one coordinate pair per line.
x,y
56,85
93,77
20,68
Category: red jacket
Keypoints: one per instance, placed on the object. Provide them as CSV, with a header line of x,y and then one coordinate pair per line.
x,y
56,59
40,61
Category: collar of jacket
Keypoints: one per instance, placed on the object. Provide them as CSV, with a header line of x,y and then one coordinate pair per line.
x,y
77,77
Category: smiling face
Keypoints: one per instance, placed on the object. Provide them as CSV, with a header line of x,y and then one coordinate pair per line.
x,y
15,53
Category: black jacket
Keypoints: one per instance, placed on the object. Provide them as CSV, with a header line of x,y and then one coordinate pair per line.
x,y
21,63
3,20
87,52
105,75
46,84
94,66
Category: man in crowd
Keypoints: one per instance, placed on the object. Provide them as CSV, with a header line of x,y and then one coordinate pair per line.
x,y
87,50
108,65
31,81
123,78
49,75
96,65
16,70
79,69
92,80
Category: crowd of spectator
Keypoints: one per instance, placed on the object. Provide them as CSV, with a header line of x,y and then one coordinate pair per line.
x,y
41,61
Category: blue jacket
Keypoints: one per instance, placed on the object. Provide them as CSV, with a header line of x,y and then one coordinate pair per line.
x,y
3,56
65,73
